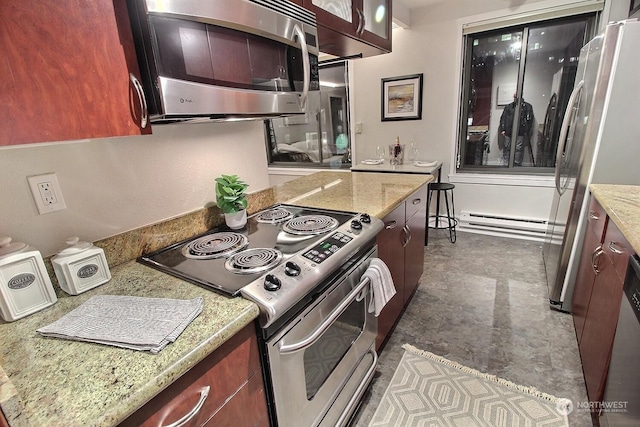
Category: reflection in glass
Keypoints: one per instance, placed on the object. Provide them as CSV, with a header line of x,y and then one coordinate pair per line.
x,y
319,138
375,17
517,83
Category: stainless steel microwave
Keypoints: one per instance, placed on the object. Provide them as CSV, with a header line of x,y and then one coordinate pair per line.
x,y
221,59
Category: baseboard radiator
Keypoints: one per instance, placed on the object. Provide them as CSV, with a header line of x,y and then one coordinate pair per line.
x,y
505,226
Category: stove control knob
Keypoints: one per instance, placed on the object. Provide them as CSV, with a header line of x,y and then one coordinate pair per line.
x,y
272,283
365,218
356,225
292,269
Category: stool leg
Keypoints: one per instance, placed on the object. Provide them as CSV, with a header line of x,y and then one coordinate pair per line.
x,y
453,215
426,229
446,201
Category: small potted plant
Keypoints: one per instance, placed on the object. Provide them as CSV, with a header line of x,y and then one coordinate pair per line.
x,y
232,200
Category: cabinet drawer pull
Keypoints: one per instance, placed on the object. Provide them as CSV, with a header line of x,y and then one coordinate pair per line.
x,y
613,249
390,225
593,215
144,118
204,393
407,234
416,201
594,258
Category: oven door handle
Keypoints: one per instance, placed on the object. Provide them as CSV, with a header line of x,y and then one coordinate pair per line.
x,y
315,336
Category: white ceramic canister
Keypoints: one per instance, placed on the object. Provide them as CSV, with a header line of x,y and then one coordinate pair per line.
x,y
80,266
25,286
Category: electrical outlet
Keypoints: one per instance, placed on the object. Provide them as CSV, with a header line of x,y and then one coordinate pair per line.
x,y
46,193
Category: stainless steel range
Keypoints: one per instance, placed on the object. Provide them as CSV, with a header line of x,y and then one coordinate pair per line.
x,y
304,268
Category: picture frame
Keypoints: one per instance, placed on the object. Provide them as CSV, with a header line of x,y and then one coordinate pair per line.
x,y
402,98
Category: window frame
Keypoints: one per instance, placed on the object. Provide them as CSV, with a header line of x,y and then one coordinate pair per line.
x,y
488,27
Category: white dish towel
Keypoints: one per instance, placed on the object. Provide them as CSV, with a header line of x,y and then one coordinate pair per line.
x,y
382,287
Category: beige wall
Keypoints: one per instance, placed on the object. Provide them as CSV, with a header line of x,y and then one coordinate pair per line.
x,y
116,184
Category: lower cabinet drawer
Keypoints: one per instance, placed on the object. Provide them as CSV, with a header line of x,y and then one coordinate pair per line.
x,y
201,392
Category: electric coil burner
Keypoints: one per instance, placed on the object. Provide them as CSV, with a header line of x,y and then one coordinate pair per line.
x,y
253,260
274,216
310,225
215,245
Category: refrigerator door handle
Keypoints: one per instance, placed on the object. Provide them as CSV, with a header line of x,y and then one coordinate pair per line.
x,y
562,140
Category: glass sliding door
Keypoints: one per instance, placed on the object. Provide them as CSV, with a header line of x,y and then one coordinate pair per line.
x,y
516,85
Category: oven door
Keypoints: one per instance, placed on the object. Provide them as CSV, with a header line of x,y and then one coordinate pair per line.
x,y
323,360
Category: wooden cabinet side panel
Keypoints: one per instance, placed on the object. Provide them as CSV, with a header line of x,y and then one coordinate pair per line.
x,y
391,252
584,283
618,249
414,253
599,329
226,371
63,72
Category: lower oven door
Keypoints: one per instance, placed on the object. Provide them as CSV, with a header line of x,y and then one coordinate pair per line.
x,y
322,361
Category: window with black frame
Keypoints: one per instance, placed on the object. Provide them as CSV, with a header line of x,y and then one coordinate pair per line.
x,y
320,138
516,84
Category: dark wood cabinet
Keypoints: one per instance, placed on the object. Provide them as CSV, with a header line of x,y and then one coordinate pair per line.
x,y
401,247
361,28
597,296
65,71
390,251
416,213
227,387
585,278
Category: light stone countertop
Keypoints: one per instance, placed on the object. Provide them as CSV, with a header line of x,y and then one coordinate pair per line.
x,y
374,193
55,382
622,204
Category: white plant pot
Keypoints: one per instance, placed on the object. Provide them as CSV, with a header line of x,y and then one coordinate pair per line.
x,y
236,220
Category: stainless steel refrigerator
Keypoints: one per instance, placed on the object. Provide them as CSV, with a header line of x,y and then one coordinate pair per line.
x,y
599,143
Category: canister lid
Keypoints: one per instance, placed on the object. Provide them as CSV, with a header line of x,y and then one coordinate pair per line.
x,y
75,246
7,247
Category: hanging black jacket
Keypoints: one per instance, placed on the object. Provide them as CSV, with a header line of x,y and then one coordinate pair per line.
x,y
526,119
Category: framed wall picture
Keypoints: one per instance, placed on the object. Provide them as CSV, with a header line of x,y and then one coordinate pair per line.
x,y
402,98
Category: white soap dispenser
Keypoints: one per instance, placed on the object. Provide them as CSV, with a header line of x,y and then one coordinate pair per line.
x,y
80,266
25,286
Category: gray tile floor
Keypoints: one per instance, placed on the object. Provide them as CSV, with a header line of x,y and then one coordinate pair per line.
x,y
482,302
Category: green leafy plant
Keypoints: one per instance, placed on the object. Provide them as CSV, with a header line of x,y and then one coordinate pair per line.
x,y
230,193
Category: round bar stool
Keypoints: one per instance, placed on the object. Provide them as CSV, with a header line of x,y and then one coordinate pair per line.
x,y
440,221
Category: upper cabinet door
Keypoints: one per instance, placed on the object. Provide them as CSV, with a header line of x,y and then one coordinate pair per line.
x,y
66,71
377,22
340,15
353,27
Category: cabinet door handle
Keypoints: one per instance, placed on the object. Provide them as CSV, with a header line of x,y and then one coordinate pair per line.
x,y
593,215
204,393
144,111
360,22
416,201
613,249
594,259
390,225
407,232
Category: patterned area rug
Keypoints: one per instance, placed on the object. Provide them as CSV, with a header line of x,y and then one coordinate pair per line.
x,y
429,390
